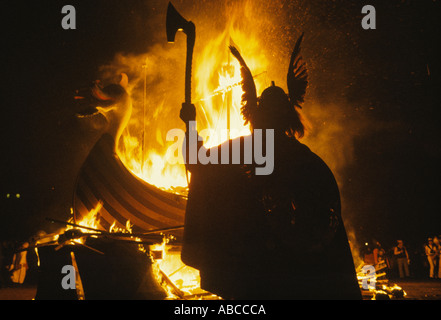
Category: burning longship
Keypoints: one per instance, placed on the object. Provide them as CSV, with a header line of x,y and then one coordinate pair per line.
x,y
129,178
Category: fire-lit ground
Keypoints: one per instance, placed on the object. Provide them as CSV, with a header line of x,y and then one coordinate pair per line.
x,y
181,282
24,292
415,290
421,289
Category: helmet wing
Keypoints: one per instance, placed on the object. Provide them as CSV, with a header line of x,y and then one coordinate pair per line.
x,y
249,97
297,76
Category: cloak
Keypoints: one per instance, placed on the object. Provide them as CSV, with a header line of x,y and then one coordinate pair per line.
x,y
279,236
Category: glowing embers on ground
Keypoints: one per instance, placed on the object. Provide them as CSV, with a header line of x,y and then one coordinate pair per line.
x,y
179,280
375,285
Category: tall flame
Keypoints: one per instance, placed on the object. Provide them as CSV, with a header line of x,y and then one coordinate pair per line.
x,y
217,97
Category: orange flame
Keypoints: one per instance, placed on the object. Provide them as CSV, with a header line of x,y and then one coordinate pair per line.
x,y
217,97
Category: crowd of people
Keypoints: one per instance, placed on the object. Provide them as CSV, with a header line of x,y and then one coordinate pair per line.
x,y
401,261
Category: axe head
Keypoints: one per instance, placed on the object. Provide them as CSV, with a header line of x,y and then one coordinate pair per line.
x,y
175,22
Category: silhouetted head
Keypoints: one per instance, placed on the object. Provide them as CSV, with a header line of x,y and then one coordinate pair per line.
x,y
275,111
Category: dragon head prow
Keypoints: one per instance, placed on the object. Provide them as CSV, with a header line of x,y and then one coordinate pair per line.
x,y
111,101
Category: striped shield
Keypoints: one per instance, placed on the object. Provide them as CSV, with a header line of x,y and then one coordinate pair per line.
x,y
104,180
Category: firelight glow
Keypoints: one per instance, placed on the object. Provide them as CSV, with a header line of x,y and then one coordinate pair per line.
x,y
217,93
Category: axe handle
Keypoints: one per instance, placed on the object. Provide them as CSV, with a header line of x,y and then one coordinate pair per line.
x,y
190,31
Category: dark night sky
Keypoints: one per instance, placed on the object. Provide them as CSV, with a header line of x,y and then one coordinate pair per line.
x,y
392,185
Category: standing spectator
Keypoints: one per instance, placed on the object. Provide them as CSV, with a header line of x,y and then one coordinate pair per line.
x,y
19,264
368,254
439,256
400,253
379,254
432,256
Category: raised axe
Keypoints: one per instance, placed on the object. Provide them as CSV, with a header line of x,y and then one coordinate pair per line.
x,y
175,22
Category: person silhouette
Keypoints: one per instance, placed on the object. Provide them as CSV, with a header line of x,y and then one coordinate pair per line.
x,y
431,250
19,264
402,257
270,236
